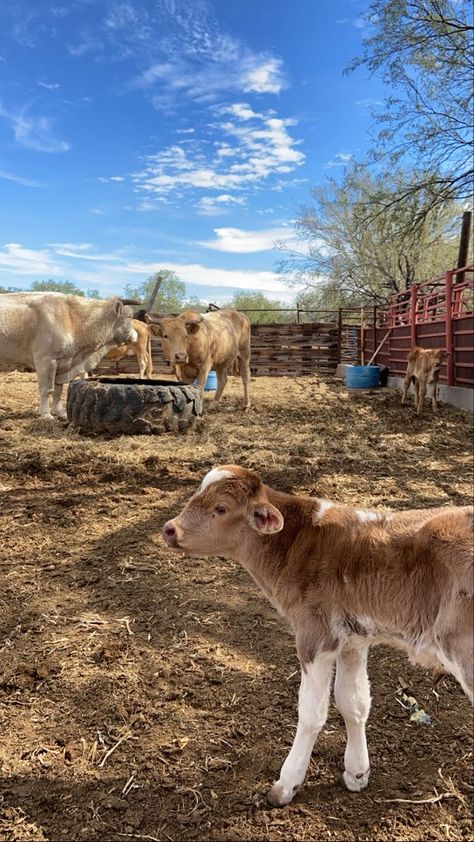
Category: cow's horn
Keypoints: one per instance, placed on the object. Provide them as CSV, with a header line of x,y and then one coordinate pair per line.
x,y
131,302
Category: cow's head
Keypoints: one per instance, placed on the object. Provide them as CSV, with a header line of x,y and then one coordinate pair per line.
x,y
229,509
123,330
174,334
438,358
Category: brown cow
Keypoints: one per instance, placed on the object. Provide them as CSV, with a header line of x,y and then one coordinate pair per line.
x,y
141,348
194,344
345,579
424,365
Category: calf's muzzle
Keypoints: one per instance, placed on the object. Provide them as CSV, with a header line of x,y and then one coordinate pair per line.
x,y
170,534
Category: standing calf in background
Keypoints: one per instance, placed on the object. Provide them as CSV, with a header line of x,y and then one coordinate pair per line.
x,y
141,348
345,579
424,366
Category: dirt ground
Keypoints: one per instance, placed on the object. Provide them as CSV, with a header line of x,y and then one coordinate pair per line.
x,y
148,696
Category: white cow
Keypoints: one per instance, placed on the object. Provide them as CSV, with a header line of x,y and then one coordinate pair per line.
x,y
60,336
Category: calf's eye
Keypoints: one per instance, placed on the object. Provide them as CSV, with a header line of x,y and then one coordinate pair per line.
x,y
220,510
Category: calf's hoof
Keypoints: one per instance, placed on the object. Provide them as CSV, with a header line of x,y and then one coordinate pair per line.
x,y
280,796
356,782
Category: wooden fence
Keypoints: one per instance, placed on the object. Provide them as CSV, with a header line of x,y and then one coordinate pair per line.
x,y
277,350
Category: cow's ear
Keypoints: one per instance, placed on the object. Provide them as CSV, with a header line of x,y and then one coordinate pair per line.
x,y
155,329
193,327
265,518
119,308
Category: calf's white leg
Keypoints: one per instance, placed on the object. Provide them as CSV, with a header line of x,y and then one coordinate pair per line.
x,y
352,696
312,714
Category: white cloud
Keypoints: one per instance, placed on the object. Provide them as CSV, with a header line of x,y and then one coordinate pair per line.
x,y
211,205
33,132
239,241
340,160
259,146
106,179
267,78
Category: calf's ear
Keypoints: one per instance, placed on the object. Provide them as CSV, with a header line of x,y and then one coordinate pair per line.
x,y
265,518
155,329
193,327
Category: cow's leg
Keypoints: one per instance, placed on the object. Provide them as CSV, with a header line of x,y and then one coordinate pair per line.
x,y
245,375
149,364
421,392
352,695
221,381
434,389
46,371
406,386
141,365
312,714
57,408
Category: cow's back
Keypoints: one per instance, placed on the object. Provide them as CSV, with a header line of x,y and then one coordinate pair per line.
x,y
227,333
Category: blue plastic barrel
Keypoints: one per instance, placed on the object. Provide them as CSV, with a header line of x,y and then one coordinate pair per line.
x,y
362,376
211,382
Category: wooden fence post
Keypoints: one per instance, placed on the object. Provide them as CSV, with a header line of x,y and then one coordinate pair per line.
x,y
413,303
449,328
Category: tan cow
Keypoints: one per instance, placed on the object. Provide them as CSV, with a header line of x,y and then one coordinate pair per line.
x,y
141,348
60,336
194,344
345,579
424,365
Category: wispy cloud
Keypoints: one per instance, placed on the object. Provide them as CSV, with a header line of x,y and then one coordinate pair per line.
x,y
50,86
19,179
211,205
110,276
203,80
239,241
23,261
33,132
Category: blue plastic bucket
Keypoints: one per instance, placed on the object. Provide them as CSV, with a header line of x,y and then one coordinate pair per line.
x,y
362,376
211,382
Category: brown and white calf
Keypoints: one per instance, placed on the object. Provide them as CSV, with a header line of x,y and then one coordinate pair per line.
x,y
424,366
345,579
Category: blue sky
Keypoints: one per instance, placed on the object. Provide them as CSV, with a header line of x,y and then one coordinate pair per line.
x,y
145,134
